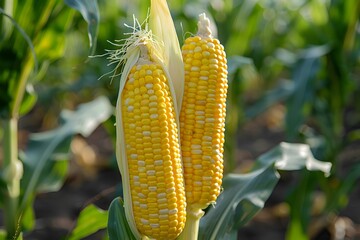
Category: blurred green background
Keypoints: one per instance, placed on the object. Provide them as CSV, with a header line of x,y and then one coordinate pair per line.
x,y
294,75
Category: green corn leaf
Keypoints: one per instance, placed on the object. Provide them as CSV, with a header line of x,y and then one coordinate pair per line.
x,y
23,34
244,195
6,26
343,191
29,100
300,207
44,159
91,220
304,72
10,71
28,219
118,227
90,11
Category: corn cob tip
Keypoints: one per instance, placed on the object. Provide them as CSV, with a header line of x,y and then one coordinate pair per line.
x,y
140,41
204,26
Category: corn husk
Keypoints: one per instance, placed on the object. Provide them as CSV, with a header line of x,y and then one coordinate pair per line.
x,y
162,27
120,147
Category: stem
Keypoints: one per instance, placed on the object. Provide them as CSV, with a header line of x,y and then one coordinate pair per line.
x,y
12,173
191,229
21,86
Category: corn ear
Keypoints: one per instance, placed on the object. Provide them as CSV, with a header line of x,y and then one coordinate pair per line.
x,y
202,122
202,118
154,204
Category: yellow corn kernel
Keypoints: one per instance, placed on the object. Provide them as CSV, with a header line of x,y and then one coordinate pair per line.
x,y
202,117
152,151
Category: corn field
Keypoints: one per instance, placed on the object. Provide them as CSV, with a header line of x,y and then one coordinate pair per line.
x,y
179,119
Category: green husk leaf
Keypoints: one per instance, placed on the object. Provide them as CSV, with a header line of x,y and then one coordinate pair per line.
x,y
118,227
